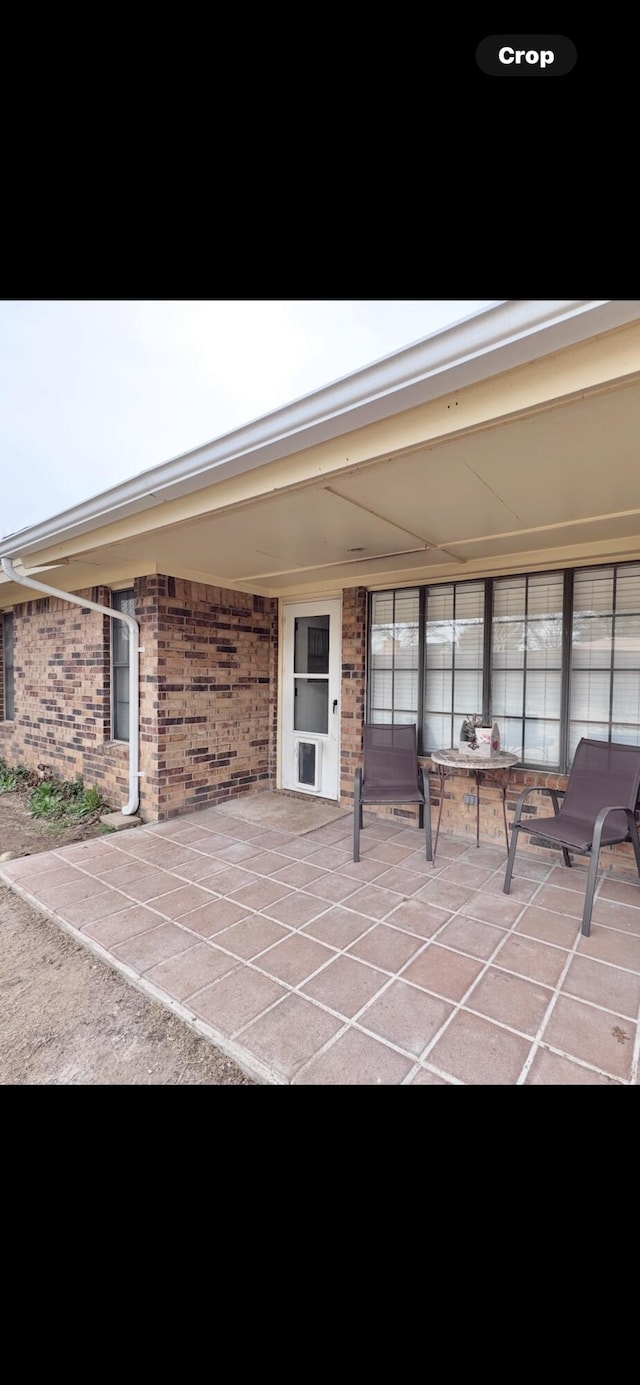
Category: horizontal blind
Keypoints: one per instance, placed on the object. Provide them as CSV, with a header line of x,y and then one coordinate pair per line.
x,y
453,662
394,657
605,655
526,665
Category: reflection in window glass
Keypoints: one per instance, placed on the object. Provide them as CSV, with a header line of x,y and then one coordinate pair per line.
x,y
311,644
605,655
453,677
307,763
563,651
526,665
394,657
311,705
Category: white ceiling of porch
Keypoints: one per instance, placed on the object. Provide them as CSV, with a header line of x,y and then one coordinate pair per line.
x,y
562,480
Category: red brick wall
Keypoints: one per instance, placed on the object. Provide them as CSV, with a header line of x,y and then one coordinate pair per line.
x,y
62,696
208,705
354,656
459,817
208,694
215,695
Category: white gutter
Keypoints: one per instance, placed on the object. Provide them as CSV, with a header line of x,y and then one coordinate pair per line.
x,y
131,806
510,334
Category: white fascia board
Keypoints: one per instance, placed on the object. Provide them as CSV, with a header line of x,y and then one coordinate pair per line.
x,y
500,338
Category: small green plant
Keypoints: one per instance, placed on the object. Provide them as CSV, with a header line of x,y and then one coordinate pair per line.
x,y
65,800
45,801
12,779
86,802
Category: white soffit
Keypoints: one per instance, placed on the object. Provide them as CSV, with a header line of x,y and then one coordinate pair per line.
x,y
477,348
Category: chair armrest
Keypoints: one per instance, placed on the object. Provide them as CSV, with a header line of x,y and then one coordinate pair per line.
x,y
533,788
604,813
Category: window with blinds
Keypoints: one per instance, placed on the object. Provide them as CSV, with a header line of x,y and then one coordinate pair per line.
x,y
605,656
550,656
394,657
526,665
453,663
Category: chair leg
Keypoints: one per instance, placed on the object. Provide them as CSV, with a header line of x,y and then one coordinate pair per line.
x,y
357,813
591,887
425,816
635,841
566,857
510,859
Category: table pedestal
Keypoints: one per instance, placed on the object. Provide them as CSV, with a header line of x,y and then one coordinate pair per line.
x,y
497,776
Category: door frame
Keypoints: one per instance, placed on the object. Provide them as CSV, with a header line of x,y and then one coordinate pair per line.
x,y
303,598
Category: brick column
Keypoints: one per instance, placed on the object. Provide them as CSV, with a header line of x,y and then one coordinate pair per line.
x,y
354,656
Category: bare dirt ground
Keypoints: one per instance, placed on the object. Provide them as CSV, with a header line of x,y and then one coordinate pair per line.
x,y
66,1018
24,835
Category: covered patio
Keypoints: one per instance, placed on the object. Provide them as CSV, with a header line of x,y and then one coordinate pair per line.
x,y
309,969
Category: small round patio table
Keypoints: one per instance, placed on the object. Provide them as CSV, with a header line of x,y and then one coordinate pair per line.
x,y
495,769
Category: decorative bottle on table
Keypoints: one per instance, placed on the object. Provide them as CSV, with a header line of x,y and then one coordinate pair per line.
x,y
467,739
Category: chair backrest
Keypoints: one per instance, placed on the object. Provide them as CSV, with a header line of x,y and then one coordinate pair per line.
x,y
602,774
390,757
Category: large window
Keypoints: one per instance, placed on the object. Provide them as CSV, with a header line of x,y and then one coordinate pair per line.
x,y
605,655
120,655
394,662
550,656
453,662
526,665
7,667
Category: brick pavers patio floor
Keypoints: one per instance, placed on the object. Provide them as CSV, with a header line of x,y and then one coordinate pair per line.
x,y
308,969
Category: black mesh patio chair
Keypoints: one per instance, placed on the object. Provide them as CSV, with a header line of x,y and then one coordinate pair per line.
x,y
390,774
598,810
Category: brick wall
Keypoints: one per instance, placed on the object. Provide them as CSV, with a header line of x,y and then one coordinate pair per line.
x,y
459,817
215,693
63,695
208,706
208,694
354,657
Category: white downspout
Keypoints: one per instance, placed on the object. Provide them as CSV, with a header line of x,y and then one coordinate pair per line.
x,y
129,808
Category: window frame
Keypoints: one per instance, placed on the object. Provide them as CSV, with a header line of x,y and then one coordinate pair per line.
x,y
568,575
528,667
451,714
116,598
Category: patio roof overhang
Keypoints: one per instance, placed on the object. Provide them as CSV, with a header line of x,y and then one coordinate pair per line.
x,y
522,455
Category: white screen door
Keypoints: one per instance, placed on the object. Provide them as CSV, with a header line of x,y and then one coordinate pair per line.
x,y
311,697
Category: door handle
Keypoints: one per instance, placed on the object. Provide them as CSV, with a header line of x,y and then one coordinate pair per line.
x,y
335,704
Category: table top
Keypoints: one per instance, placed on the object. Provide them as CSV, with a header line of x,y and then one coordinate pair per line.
x,y
457,760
